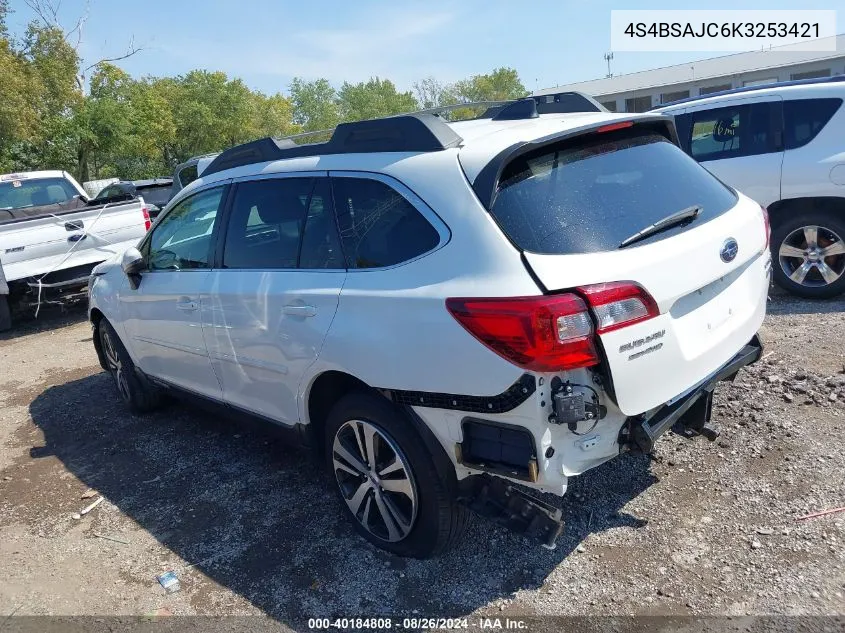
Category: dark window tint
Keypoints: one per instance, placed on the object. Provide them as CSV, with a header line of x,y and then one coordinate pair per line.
x,y
805,118
158,195
638,104
265,226
588,196
19,194
378,226
113,192
706,90
188,175
321,242
182,239
668,97
744,130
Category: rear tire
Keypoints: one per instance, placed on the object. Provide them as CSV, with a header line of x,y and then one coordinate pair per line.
x,y
134,390
5,314
379,465
799,264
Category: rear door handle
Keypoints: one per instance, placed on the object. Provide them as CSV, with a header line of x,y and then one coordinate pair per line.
x,y
300,310
77,238
186,305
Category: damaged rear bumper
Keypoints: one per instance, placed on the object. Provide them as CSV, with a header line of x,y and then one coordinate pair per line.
x,y
498,499
690,413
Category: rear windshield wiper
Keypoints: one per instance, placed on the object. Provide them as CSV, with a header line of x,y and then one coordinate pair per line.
x,y
684,216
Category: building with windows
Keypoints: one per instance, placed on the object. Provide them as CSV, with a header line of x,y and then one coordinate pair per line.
x,y
639,92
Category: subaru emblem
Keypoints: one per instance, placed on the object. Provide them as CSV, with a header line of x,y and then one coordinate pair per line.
x,y
729,250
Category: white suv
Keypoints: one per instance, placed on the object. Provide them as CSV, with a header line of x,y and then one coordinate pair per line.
x,y
450,312
783,146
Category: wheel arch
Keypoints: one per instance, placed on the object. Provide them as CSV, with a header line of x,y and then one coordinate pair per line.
x,y
95,316
781,210
327,388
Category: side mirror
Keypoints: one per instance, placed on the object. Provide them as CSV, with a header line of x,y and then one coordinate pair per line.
x,y
132,264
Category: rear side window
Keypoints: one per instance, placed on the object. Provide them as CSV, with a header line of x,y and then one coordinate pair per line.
x,y
378,226
804,119
730,132
586,196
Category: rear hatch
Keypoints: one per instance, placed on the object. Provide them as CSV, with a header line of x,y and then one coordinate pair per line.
x,y
583,212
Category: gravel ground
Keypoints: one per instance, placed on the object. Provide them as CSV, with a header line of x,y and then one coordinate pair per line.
x,y
250,526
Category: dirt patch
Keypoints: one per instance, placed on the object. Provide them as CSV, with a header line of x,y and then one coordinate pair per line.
x,y
250,526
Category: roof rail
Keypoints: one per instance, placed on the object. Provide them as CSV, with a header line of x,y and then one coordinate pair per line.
x,y
775,84
421,131
404,133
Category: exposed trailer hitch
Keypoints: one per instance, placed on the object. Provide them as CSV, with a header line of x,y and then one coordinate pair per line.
x,y
497,499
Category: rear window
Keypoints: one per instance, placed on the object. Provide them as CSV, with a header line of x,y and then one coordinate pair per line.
x,y
158,195
586,196
36,192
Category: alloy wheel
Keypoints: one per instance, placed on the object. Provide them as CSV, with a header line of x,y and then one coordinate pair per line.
x,y
375,480
812,256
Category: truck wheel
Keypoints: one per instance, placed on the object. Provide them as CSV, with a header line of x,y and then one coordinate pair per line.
x,y
5,314
808,254
133,390
387,480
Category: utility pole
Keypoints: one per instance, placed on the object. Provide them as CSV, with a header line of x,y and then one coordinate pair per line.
x,y
607,58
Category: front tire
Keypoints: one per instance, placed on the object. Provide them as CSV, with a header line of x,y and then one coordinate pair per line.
x,y
132,389
808,255
5,314
387,480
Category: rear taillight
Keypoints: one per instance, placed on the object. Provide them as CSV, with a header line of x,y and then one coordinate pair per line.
x,y
147,221
619,304
537,333
766,225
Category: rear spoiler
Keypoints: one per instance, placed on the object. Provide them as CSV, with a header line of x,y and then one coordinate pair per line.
x,y
486,183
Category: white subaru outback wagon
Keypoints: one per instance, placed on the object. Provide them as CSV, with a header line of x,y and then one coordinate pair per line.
x,y
453,313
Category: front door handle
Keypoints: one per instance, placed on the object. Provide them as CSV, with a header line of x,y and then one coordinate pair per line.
x,y
77,238
185,304
300,310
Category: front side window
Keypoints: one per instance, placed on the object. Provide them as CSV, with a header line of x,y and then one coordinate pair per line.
x,y
182,239
744,130
378,226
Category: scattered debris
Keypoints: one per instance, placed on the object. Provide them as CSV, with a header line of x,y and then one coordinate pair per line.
x,y
756,545
88,494
87,509
112,538
820,514
580,549
169,581
765,530
153,480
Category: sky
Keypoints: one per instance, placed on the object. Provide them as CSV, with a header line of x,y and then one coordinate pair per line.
x,y
267,43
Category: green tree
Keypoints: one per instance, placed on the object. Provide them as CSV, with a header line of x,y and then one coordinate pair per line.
x,y
315,104
432,93
501,84
372,99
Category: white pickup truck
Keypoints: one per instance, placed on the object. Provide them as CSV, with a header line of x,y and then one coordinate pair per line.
x,y
51,236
